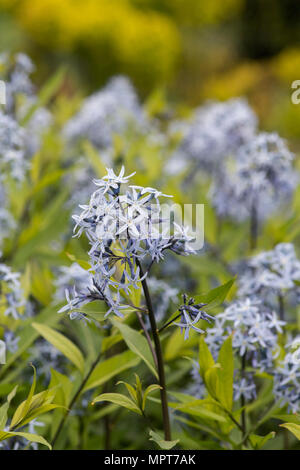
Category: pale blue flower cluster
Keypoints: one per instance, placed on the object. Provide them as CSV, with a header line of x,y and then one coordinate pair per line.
x,y
123,228
20,138
11,293
254,330
253,327
287,381
272,274
260,177
114,109
216,131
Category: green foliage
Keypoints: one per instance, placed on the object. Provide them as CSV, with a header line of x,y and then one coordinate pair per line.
x,y
137,400
34,405
63,344
162,444
293,428
137,344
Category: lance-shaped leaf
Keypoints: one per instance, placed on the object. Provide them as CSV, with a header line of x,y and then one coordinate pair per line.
x,y
206,360
259,441
149,390
216,296
63,344
23,408
107,369
30,437
293,428
165,445
137,343
225,373
118,399
4,408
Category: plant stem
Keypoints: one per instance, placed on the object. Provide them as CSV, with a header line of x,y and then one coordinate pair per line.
x,y
140,318
281,306
253,227
160,363
169,323
243,402
74,399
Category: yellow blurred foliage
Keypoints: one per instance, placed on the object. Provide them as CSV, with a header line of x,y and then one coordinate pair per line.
x,y
195,12
204,12
144,44
237,82
286,66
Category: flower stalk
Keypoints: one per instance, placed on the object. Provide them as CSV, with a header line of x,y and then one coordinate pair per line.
x,y
159,356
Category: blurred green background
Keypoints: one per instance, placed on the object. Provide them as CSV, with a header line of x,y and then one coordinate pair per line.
x,y
193,49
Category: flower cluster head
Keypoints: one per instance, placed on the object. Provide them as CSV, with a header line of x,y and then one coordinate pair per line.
x,y
69,277
12,141
112,110
11,294
218,130
287,378
272,272
16,70
123,227
191,313
254,330
260,178
19,140
244,387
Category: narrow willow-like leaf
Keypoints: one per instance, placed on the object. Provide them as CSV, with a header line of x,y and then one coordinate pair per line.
x,y
293,428
165,445
206,360
225,372
118,399
23,408
30,437
216,296
63,344
149,390
111,367
137,343
4,408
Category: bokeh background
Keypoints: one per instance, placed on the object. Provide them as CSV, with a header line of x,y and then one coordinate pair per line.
x,y
193,50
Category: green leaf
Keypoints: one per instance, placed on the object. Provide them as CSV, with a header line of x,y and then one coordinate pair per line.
x,y
30,437
23,408
4,408
225,373
165,445
137,343
206,361
216,296
118,399
293,428
39,411
28,335
198,408
64,387
63,344
149,390
294,418
132,392
212,381
107,369
259,441
46,93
